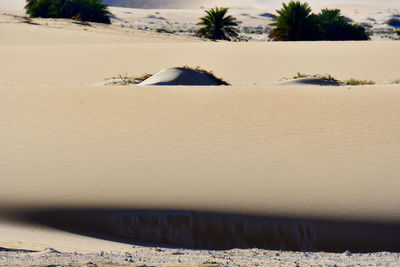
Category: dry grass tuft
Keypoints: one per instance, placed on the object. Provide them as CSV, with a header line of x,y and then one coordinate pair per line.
x,y
143,77
328,77
396,81
359,82
325,76
220,81
125,79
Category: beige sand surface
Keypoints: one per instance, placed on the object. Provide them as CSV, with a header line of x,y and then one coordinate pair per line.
x,y
312,151
251,148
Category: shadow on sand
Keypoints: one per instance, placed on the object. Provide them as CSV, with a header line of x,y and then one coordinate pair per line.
x,y
206,230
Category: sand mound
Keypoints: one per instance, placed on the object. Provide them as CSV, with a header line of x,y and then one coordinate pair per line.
x,y
182,76
311,81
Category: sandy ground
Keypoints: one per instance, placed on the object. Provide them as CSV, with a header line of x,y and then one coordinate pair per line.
x,y
35,245
324,157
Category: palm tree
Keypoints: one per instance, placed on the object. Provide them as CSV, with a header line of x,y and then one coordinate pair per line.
x,y
217,25
334,27
294,22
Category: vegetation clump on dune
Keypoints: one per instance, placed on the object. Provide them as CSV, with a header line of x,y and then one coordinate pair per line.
x,y
296,22
330,78
396,81
125,79
82,10
359,82
326,77
219,80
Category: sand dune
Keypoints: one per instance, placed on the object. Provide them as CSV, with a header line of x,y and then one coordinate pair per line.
x,y
310,81
181,76
297,167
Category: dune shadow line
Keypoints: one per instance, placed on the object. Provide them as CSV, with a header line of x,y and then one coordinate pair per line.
x,y
208,230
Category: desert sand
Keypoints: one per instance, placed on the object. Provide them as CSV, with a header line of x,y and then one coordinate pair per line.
x,y
158,174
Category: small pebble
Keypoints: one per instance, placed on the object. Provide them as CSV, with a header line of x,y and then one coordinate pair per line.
x,y
347,253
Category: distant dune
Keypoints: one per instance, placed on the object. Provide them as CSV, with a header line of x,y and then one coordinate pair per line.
x,y
16,6
172,4
182,4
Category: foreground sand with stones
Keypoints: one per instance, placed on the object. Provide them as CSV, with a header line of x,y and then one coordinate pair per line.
x,y
159,256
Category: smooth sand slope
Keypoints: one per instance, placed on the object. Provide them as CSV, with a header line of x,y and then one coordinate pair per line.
x,y
303,168
320,152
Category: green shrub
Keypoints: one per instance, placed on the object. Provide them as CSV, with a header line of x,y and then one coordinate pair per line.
x,y
295,22
394,22
85,10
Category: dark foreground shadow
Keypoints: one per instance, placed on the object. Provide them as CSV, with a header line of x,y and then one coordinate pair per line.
x,y
206,230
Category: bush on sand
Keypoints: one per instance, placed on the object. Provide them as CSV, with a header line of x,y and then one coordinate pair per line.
x,y
84,10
